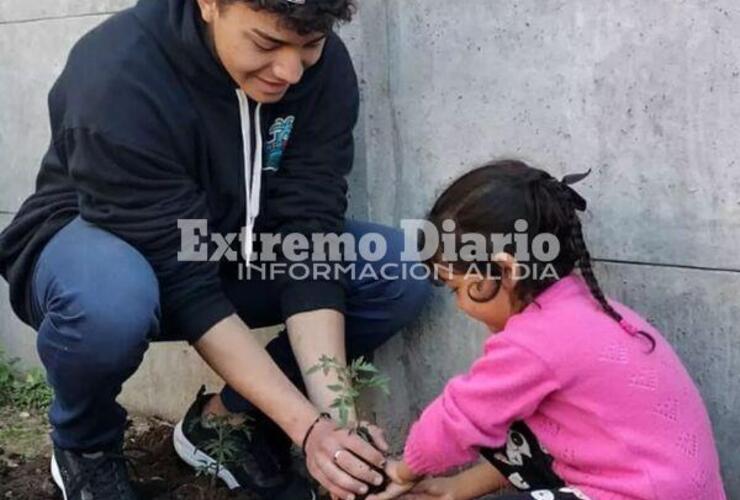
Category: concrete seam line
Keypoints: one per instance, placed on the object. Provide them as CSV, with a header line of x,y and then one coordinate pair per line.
x,y
668,265
57,18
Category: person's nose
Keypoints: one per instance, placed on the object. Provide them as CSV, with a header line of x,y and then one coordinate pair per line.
x,y
288,67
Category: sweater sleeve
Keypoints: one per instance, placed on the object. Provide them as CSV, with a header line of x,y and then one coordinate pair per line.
x,y
139,196
476,410
310,195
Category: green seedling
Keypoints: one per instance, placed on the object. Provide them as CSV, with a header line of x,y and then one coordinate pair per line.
x,y
224,446
353,381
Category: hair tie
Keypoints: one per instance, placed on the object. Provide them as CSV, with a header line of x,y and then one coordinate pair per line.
x,y
323,416
576,199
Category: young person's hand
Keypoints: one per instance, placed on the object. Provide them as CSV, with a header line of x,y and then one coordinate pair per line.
x,y
394,490
339,459
475,482
435,488
377,434
400,473
402,480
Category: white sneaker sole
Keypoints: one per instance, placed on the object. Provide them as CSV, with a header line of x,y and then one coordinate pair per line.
x,y
199,460
56,475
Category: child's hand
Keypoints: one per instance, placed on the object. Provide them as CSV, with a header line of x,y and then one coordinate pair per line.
x,y
400,473
394,490
434,488
401,481
472,483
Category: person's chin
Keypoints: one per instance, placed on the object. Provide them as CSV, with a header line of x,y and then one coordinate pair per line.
x,y
262,93
266,97
271,98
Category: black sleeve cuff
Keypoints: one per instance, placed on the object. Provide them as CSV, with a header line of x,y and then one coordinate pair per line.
x,y
193,319
306,296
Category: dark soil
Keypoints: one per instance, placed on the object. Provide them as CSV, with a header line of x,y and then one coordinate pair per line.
x,y
155,469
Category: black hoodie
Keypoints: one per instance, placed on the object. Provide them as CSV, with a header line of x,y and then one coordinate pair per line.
x,y
147,128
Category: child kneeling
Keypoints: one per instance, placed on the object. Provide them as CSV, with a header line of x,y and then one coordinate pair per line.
x,y
576,396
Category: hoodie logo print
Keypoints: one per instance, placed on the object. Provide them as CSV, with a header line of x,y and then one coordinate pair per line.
x,y
280,133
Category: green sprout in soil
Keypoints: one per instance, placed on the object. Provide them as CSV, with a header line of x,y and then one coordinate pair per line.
x,y
224,446
354,379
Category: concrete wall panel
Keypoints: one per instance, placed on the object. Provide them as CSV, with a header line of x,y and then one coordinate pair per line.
x,y
32,56
23,11
644,93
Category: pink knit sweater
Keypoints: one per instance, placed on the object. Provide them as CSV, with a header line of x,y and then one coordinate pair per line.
x,y
620,423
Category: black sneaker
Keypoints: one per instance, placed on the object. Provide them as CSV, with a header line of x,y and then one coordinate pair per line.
x,y
92,476
259,464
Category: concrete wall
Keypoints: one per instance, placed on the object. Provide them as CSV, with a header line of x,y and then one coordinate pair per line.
x,y
644,93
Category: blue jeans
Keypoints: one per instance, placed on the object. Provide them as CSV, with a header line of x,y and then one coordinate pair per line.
x,y
96,308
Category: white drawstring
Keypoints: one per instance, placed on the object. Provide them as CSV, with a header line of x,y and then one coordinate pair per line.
x,y
252,190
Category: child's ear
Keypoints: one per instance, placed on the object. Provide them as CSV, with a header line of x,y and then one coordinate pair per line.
x,y
484,289
509,270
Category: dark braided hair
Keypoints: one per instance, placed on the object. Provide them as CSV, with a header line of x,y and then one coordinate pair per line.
x,y
587,271
491,199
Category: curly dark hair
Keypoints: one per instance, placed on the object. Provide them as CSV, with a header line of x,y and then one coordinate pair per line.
x,y
491,198
313,16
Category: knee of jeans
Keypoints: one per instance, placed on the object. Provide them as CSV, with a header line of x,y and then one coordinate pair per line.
x,y
401,299
121,335
109,326
414,294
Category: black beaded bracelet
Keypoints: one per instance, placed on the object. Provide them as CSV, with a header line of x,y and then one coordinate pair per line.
x,y
323,416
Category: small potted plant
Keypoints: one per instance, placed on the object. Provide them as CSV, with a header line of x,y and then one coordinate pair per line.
x,y
354,380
